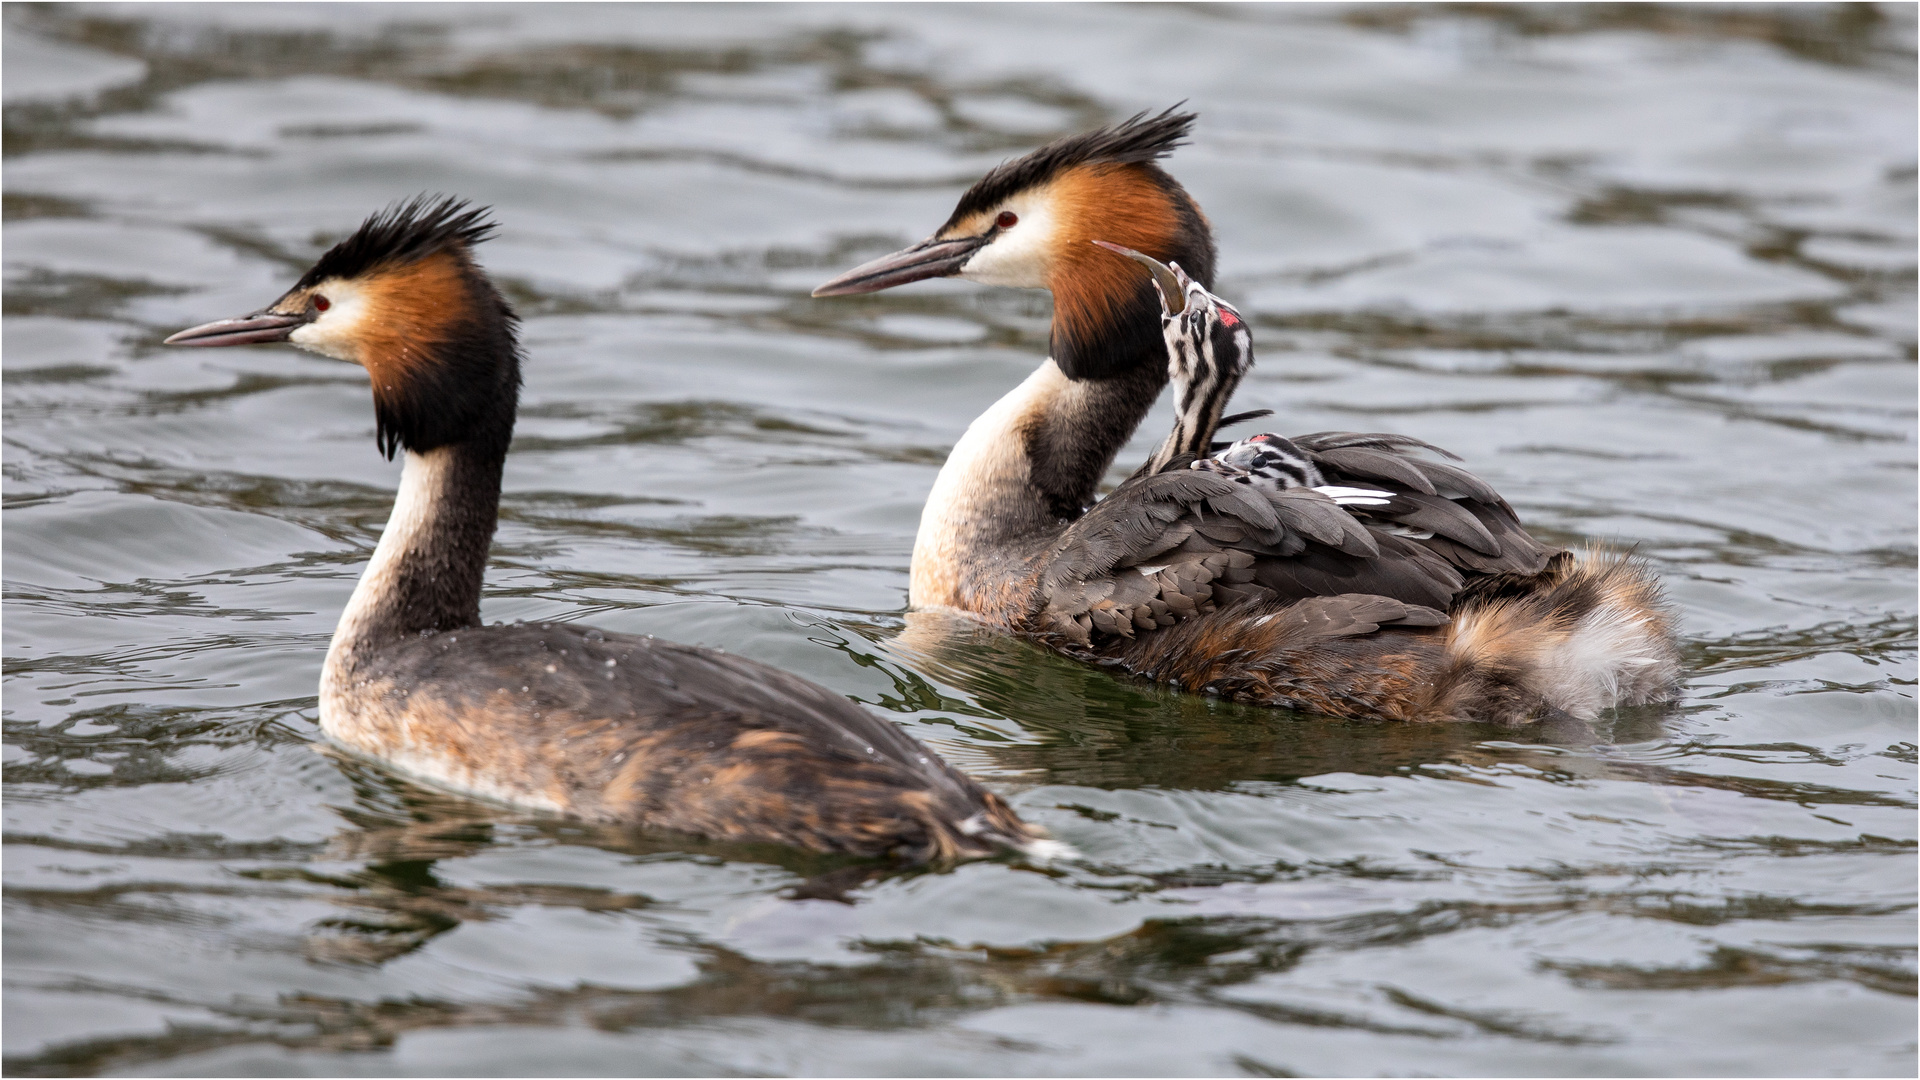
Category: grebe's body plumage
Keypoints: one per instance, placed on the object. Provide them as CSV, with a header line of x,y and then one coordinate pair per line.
x,y
558,717
1354,575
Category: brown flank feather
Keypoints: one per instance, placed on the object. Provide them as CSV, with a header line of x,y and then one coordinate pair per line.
x,y
1502,661
616,729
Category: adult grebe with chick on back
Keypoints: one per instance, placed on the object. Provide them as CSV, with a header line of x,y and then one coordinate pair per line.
x,y
1436,605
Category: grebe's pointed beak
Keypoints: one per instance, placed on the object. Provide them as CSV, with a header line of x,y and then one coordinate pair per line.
x,y
250,330
1173,298
930,258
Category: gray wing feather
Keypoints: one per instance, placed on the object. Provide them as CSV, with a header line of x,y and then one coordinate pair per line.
x,y
1455,483
1168,546
1320,519
1374,465
1372,440
1353,614
1445,518
1474,528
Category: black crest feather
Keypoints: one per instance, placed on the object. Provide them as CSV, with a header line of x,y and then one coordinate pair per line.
x,y
404,232
1137,140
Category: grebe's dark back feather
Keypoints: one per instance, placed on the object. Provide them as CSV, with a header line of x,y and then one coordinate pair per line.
x,y
616,728
557,717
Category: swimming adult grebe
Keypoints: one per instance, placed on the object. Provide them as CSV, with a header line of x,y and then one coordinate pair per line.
x,y
554,716
1436,605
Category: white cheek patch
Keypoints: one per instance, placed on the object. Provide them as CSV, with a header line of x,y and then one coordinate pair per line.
x,y
335,332
1019,256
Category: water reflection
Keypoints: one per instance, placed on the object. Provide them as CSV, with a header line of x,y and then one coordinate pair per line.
x,y
1194,963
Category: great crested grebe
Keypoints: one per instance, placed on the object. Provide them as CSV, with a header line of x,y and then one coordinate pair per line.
x,y
1340,573
558,717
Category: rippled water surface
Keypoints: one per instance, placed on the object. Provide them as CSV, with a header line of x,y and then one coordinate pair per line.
x,y
1649,269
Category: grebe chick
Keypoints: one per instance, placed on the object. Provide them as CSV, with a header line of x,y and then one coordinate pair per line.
x,y
1434,606
558,717
1209,351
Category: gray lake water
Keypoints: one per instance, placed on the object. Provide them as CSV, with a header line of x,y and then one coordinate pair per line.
x,y
1649,269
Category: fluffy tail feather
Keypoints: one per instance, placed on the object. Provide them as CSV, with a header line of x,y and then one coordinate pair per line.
x,y
1598,634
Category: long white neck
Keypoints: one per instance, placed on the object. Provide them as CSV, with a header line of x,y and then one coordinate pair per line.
x,y
423,480
426,572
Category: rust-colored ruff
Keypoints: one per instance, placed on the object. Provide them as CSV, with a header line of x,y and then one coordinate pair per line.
x,y
408,312
1116,203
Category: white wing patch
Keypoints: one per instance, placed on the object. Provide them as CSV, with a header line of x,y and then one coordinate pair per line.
x,y
1350,496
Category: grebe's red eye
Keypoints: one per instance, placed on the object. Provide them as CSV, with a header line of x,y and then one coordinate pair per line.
x,y
320,303
1007,219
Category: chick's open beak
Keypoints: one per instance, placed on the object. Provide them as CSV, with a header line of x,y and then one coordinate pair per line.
x,y
930,258
1172,296
248,330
